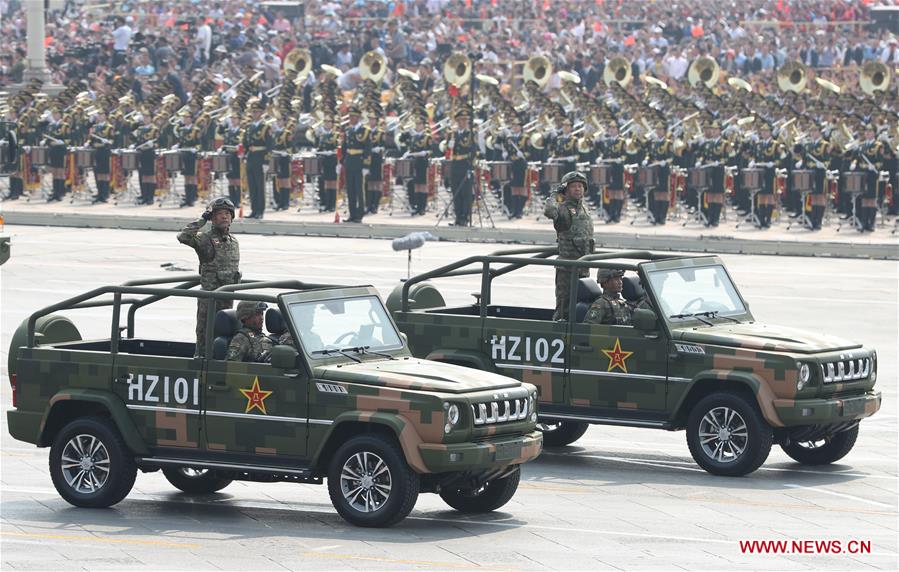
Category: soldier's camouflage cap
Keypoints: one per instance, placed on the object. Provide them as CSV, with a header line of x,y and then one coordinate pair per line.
x,y
601,276
247,308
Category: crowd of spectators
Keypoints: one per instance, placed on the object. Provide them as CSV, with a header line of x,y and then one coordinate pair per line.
x,y
180,40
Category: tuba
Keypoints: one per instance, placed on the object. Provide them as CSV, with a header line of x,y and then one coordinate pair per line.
x,y
569,90
875,76
299,61
618,70
373,66
703,70
792,76
538,69
457,69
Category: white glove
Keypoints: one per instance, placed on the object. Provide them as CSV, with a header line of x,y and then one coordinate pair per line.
x,y
365,172
752,164
339,169
798,165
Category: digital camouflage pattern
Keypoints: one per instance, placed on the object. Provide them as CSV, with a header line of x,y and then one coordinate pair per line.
x,y
610,373
609,309
257,414
574,232
248,345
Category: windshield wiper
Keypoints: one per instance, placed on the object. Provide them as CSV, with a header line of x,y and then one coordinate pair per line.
x,y
366,350
717,314
341,352
697,315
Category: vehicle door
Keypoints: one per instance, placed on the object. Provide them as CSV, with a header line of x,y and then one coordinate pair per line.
x,y
255,409
164,396
617,369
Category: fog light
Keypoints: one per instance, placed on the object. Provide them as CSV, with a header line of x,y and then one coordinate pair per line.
x,y
447,428
455,457
807,411
533,417
873,376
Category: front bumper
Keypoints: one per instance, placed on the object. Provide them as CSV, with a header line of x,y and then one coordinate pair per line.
x,y
827,411
498,452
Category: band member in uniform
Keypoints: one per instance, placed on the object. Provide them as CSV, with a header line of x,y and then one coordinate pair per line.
x,y
145,137
17,176
229,135
870,157
564,149
354,151
328,140
711,154
768,154
283,145
57,133
462,144
420,147
374,162
516,144
188,137
814,153
101,136
612,149
257,142
661,154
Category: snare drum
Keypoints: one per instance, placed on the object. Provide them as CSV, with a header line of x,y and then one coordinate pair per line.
x,y
803,180
500,170
751,179
129,159
647,176
601,175
698,178
312,166
405,168
854,181
38,156
552,172
171,160
84,157
219,162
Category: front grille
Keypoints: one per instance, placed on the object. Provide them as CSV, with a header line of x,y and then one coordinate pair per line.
x,y
847,370
501,411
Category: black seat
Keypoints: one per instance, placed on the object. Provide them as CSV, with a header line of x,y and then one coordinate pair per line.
x,y
587,293
631,289
274,323
226,325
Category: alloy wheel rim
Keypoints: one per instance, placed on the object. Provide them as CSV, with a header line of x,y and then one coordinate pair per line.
x,y
85,464
723,434
365,482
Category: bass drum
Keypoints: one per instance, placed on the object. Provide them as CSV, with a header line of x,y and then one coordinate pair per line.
x,y
52,329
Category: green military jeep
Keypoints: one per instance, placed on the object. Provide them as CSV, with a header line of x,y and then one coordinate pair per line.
x,y
350,404
699,361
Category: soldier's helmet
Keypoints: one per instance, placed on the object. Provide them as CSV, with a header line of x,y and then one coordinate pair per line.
x,y
607,273
221,203
572,177
247,308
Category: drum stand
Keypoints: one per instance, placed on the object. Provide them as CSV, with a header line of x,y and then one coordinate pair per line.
x,y
85,192
753,216
171,190
647,201
803,218
478,200
853,218
698,215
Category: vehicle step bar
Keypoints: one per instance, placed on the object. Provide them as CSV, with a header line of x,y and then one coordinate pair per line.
x,y
240,467
548,417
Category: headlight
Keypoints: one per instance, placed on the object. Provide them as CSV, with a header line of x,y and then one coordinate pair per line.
x,y
452,416
805,374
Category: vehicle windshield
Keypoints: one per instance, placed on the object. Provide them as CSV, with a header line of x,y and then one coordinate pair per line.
x,y
344,323
703,291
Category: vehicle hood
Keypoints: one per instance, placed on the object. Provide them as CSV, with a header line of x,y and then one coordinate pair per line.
x,y
756,336
416,374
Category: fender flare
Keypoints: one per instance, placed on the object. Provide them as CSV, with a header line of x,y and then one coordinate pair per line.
x,y
472,359
760,389
112,403
402,428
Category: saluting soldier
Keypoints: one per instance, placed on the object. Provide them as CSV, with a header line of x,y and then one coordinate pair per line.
x,y
574,233
101,136
374,162
462,144
328,141
354,151
257,142
219,255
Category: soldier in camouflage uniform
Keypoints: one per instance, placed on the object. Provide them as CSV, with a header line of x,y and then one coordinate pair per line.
x,y
610,308
574,226
249,343
219,256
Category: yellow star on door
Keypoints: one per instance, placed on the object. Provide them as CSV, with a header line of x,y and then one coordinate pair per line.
x,y
617,357
255,397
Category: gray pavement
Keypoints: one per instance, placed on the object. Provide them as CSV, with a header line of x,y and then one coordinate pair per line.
x,y
619,498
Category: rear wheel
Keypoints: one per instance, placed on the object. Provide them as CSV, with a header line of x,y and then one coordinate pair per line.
x,y
370,483
195,481
823,451
486,498
727,434
90,465
561,433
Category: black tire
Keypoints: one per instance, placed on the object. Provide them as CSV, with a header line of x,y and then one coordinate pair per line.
x,y
108,466
487,498
823,451
401,482
195,481
741,452
561,433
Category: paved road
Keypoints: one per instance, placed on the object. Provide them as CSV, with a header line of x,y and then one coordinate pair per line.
x,y
618,499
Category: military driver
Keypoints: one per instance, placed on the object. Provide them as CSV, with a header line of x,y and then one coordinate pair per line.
x,y
250,343
219,256
574,228
610,307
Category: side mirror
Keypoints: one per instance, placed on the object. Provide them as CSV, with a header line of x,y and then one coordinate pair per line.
x,y
645,320
284,357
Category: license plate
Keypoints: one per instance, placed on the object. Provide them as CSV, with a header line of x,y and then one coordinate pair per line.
x,y
506,451
852,407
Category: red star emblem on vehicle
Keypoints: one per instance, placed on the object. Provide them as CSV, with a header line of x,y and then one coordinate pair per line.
x,y
617,357
255,397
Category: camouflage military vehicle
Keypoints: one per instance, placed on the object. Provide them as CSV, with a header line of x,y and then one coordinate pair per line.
x,y
699,361
350,404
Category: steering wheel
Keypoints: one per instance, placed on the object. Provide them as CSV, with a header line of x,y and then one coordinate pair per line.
x,y
698,302
350,337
